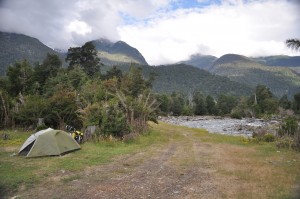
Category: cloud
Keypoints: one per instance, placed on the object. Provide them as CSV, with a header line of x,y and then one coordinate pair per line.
x,y
252,28
66,23
164,31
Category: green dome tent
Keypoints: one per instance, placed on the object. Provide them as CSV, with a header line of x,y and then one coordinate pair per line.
x,y
48,142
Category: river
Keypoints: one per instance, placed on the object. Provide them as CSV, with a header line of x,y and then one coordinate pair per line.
x,y
212,124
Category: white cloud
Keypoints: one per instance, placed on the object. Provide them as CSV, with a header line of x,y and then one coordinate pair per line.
x,y
71,22
79,27
253,28
160,33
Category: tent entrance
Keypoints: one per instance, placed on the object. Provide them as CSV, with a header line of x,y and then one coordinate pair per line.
x,y
27,149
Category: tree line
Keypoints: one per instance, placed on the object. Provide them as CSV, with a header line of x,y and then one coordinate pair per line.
x,y
78,95
118,103
261,103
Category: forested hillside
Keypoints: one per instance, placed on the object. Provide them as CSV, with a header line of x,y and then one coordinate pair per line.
x,y
200,61
282,60
187,79
16,47
118,53
242,69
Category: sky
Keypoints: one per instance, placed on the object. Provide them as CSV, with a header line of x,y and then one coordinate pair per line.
x,y
164,31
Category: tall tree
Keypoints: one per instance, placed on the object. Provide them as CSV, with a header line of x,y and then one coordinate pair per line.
x,y
200,105
20,77
297,102
265,100
211,105
49,68
85,57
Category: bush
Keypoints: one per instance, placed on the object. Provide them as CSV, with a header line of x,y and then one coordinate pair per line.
x,y
113,122
237,114
262,134
41,127
288,127
269,137
289,134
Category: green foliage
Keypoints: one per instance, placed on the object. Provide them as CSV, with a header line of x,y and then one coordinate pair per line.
x,y
297,102
177,103
269,137
284,102
288,127
226,103
20,78
114,72
62,109
200,105
280,80
133,82
17,47
263,102
42,72
211,105
289,134
237,114
179,77
85,57
113,121
34,107
5,109
164,103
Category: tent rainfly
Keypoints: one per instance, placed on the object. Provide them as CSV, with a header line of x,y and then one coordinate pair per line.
x,y
48,142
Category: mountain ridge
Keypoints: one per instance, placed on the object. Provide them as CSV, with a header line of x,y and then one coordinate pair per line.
x,y
115,53
16,47
280,80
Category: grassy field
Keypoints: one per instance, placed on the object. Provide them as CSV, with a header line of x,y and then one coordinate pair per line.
x,y
18,171
259,169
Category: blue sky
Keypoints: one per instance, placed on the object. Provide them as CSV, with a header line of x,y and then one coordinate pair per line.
x,y
164,31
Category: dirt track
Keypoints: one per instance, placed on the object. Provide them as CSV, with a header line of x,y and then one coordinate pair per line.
x,y
182,168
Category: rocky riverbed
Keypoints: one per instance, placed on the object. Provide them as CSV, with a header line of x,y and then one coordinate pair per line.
x,y
220,125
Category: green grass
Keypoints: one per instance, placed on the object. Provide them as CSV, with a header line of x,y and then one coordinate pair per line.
x,y
18,170
260,165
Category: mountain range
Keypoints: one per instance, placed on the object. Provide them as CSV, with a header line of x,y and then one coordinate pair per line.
x,y
231,73
16,47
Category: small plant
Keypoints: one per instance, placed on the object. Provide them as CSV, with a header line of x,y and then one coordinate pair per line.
x,y
237,114
285,142
269,137
288,127
41,127
289,134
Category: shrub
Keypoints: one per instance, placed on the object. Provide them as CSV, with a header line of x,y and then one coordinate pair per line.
x,y
289,134
269,137
237,114
289,127
262,134
285,142
41,127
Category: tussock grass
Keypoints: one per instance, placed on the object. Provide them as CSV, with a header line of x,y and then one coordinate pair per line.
x,y
245,169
